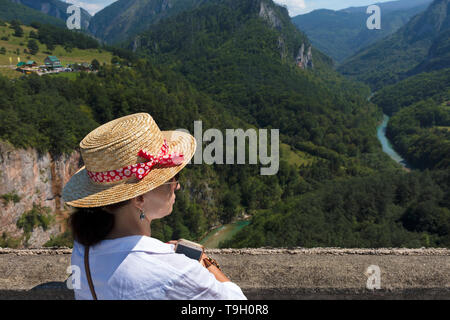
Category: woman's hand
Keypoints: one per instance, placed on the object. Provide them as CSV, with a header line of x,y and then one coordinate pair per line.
x,y
174,242
220,276
202,260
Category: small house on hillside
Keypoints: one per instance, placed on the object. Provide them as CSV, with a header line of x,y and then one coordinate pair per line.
x,y
31,63
52,62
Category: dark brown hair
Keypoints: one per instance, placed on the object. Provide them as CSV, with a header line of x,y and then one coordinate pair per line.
x,y
91,225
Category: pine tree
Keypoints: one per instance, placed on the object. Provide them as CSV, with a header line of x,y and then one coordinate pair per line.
x,y
95,64
33,46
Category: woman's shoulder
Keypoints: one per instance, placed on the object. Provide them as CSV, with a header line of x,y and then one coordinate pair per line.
x,y
125,244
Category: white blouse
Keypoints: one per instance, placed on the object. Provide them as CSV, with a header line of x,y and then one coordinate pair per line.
x,y
144,268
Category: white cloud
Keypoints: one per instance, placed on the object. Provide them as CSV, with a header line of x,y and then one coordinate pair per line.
x,y
295,7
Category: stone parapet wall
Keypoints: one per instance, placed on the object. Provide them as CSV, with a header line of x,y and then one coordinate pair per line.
x,y
318,273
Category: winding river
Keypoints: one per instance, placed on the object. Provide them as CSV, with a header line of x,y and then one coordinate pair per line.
x,y
386,145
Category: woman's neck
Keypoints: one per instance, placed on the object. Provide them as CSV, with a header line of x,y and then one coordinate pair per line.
x,y
126,224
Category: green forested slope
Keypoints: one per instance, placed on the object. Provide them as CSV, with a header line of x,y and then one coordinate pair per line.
x,y
421,132
434,85
228,51
419,128
387,209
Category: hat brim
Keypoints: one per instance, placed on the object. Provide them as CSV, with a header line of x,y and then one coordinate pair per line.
x,y
81,192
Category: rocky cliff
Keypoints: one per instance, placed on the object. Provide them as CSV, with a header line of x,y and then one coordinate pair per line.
x,y
274,18
31,180
268,14
304,60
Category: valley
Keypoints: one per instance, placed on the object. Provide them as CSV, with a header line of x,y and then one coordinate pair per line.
x,y
245,64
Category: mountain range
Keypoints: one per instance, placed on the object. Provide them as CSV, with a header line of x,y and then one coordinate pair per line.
x,y
422,45
126,18
14,11
239,52
340,34
55,8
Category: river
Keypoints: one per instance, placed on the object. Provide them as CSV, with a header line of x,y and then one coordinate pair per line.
x,y
386,145
225,232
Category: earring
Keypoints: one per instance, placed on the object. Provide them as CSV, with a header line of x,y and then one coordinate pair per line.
x,y
142,215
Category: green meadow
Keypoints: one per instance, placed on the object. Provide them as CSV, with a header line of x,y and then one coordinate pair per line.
x,y
17,44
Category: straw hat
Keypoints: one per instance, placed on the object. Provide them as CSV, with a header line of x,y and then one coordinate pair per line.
x,y
125,158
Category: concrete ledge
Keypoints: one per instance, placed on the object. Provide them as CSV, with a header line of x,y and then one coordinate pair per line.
x,y
318,273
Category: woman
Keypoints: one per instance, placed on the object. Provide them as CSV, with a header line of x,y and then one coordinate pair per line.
x,y
129,179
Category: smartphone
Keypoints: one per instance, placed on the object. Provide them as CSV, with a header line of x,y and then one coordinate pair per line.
x,y
189,249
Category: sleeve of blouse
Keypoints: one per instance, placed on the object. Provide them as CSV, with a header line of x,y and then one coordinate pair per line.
x,y
197,283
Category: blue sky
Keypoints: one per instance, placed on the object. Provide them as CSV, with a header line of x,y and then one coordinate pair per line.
x,y
295,6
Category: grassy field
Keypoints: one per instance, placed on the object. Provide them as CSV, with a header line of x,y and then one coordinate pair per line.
x,y
9,73
68,75
295,157
14,43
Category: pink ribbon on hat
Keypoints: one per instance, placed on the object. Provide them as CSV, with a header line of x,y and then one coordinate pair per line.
x,y
140,170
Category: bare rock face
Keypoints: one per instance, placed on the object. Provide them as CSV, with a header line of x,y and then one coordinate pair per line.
x,y
28,178
304,60
166,4
41,236
136,43
270,16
